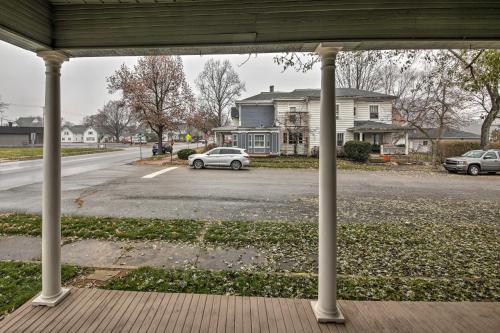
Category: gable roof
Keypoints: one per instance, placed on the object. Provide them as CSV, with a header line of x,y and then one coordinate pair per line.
x,y
448,133
29,122
316,93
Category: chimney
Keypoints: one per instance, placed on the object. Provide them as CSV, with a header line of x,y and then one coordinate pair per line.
x,y
271,88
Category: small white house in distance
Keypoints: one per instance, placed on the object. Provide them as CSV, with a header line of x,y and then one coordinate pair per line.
x,y
78,134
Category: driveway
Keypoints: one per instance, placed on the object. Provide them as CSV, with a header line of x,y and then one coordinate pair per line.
x,y
265,194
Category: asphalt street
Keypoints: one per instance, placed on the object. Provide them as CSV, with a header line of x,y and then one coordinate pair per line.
x,y
20,173
121,189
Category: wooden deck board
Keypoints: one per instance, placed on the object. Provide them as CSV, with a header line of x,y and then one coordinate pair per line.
x,y
95,310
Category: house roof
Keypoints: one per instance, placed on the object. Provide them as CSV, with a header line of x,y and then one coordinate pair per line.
x,y
78,129
20,130
369,125
315,93
448,133
29,122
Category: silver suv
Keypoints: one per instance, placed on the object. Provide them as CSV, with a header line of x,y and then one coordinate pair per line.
x,y
474,162
235,158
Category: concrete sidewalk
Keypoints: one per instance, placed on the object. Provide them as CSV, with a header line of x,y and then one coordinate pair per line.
x,y
120,254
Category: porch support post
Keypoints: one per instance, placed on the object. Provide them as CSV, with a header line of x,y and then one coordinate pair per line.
x,y
361,138
407,143
325,308
52,293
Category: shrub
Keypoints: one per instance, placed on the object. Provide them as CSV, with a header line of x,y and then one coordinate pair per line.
x,y
357,150
183,154
456,148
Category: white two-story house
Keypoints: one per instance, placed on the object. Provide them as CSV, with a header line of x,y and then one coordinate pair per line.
x,y
78,134
288,122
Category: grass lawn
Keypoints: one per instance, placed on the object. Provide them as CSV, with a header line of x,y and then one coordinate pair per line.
x,y
21,281
28,153
424,258
304,162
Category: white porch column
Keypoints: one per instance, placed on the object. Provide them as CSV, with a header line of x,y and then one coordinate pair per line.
x,y
52,293
325,308
361,138
407,144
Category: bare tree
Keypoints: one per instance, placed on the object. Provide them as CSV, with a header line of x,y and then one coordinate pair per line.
x,y
433,101
219,86
203,120
481,77
363,70
113,119
157,92
3,108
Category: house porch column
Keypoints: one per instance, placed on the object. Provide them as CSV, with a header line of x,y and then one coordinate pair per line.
x,y
361,138
325,308
52,293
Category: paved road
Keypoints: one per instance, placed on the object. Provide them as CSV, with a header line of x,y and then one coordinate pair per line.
x,y
20,173
264,194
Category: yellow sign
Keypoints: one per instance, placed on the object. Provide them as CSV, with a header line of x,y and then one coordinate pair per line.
x,y
188,136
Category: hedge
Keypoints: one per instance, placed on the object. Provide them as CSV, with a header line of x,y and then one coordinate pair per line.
x,y
183,154
358,151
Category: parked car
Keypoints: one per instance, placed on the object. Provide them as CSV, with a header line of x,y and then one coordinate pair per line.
x,y
166,149
234,158
474,162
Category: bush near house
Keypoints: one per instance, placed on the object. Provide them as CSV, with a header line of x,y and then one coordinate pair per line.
x,y
183,154
358,151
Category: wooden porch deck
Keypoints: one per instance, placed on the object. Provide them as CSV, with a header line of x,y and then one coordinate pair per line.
x,y
95,310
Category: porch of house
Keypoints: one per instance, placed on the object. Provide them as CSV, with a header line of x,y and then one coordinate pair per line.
x,y
383,137
96,310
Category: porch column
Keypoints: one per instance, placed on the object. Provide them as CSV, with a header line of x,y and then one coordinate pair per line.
x,y
52,293
407,143
361,138
325,308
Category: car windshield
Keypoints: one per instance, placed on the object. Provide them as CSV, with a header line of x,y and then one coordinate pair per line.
x,y
474,154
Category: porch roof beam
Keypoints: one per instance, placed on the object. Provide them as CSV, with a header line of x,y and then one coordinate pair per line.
x,y
223,26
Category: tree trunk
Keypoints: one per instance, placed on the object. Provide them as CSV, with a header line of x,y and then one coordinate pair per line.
x,y
160,140
490,117
434,153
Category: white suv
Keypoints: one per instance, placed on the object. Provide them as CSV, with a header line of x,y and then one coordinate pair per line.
x,y
234,158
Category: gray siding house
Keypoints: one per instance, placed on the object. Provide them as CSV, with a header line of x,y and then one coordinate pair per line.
x,y
287,123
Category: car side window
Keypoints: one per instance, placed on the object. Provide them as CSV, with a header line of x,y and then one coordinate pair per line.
x,y
227,151
235,151
490,156
215,151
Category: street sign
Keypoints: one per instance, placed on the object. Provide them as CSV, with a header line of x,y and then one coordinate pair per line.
x,y
188,137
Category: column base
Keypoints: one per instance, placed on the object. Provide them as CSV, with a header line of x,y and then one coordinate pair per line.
x,y
326,317
52,301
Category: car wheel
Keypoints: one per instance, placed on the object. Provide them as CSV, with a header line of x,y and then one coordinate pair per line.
x,y
235,165
198,164
473,170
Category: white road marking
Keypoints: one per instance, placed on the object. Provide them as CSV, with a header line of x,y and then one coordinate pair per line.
x,y
154,174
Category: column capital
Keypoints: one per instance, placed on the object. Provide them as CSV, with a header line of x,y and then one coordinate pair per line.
x,y
328,50
54,57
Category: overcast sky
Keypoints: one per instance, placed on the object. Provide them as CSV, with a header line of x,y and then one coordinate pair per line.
x,y
83,80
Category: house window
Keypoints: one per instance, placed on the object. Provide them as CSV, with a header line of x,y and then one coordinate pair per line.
x,y
90,133
340,139
235,140
425,142
259,140
296,138
293,109
337,111
285,137
355,111
373,111
66,133
62,139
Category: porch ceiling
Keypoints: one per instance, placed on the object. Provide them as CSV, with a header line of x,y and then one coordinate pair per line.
x,y
126,27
